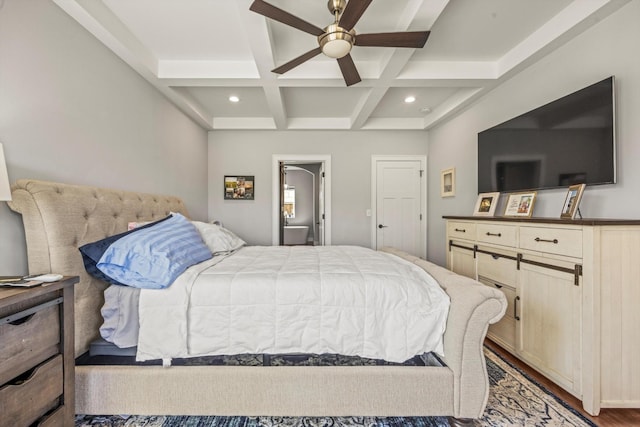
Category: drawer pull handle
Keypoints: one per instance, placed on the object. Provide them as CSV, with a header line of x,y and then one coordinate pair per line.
x,y
24,377
555,241
494,234
515,308
22,320
497,286
460,230
17,318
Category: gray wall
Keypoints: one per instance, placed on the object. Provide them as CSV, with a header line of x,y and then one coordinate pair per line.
x,y
250,153
609,48
71,111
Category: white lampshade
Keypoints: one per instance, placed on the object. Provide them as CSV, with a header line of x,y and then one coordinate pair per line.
x,y
336,48
5,187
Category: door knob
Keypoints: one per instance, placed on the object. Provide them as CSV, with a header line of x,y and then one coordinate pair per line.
x,y
382,226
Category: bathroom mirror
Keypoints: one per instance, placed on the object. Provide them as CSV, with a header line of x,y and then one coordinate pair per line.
x,y
290,202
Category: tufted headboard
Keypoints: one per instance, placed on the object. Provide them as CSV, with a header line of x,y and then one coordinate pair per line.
x,y
59,218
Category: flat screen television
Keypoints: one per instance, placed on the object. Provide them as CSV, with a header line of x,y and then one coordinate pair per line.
x,y
568,141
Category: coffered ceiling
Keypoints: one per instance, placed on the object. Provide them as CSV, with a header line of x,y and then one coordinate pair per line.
x,y
198,53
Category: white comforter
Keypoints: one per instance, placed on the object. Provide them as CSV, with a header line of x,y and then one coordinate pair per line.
x,y
277,299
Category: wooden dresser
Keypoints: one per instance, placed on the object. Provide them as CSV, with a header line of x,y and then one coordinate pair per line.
x,y
36,355
573,288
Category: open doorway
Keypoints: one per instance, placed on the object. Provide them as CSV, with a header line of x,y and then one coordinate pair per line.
x,y
301,189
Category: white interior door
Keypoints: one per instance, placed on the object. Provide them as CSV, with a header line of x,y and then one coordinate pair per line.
x,y
399,217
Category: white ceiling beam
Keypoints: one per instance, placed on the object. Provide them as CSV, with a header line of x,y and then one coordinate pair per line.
x,y
453,104
98,19
257,31
309,123
256,123
393,62
207,69
565,25
395,123
450,70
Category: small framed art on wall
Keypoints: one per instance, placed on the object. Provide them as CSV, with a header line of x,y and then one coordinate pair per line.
x,y
448,182
238,187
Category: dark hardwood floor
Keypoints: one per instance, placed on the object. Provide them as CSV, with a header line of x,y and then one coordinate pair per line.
x,y
607,417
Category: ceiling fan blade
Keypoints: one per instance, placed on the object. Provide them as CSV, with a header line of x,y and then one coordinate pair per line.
x,y
297,61
415,39
352,13
349,71
264,8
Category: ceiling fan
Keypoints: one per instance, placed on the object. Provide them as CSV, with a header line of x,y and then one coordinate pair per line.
x,y
337,39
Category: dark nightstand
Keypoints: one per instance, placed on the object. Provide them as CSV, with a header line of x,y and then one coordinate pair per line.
x,y
37,355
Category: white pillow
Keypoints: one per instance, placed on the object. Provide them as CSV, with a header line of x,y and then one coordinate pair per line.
x,y
217,238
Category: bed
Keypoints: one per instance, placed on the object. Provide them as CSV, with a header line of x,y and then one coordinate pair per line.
x,y
59,218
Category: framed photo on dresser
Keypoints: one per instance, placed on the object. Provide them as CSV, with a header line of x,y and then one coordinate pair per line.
x,y
520,204
486,204
572,201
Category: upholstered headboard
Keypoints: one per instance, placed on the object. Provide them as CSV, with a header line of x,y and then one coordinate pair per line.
x,y
59,218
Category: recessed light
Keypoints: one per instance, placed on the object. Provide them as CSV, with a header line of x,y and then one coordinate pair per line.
x,y
234,98
409,99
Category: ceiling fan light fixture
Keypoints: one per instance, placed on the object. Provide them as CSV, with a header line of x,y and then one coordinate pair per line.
x,y
336,42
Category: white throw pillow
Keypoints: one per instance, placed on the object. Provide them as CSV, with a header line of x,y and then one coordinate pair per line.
x,y
217,238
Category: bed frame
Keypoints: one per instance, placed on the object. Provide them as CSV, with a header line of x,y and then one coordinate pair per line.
x,y
58,218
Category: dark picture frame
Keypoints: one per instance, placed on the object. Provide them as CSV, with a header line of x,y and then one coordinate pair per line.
x,y
239,187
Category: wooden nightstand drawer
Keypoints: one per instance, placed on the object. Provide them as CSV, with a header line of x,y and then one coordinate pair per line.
x,y
29,397
54,419
29,339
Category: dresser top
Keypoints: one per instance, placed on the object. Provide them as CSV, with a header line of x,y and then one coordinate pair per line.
x,y
542,220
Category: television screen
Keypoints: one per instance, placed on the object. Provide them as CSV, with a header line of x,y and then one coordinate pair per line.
x,y
568,141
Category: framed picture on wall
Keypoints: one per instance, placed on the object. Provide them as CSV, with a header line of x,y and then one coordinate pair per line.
x,y
448,183
572,201
237,187
486,204
520,204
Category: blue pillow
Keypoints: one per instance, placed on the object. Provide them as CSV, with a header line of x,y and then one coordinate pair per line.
x,y
92,252
155,256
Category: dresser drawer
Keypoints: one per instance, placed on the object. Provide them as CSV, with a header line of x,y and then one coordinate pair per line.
x,y
504,331
28,340
508,291
53,419
498,234
461,230
498,268
27,398
559,241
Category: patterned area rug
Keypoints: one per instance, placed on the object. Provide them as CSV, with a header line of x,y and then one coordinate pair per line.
x,y
514,400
